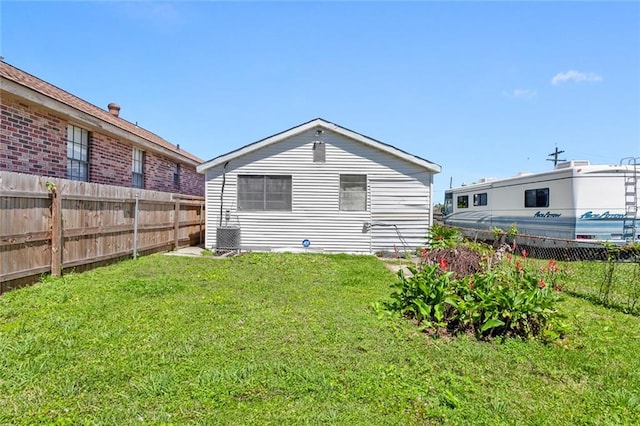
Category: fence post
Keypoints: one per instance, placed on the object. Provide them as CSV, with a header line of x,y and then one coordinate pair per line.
x,y
135,229
200,239
56,233
176,224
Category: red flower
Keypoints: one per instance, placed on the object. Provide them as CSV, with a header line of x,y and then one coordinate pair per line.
x,y
524,253
542,284
509,257
518,266
444,265
557,287
424,253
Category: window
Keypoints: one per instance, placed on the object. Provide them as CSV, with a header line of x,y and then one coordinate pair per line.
x,y
463,201
176,175
319,152
137,167
480,199
265,193
448,203
77,153
536,197
353,192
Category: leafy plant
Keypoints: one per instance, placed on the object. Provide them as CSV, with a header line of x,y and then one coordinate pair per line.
x,y
441,236
423,295
501,235
508,300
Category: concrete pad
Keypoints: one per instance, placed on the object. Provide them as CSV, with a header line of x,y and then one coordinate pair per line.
x,y
193,251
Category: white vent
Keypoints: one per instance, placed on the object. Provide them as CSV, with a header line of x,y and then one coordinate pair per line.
x,y
486,179
572,163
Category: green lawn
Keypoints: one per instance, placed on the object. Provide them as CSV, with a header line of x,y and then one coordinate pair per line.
x,y
289,339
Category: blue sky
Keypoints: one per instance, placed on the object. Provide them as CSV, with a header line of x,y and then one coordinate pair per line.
x,y
485,89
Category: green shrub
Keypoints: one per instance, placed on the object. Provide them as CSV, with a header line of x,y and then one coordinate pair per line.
x,y
508,300
441,236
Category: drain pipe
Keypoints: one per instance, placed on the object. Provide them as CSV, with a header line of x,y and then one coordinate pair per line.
x,y
224,181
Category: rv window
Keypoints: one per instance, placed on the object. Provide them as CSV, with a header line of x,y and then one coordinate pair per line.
x,y
536,197
480,199
463,201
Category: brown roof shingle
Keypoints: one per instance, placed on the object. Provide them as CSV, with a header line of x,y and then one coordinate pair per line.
x,y
27,80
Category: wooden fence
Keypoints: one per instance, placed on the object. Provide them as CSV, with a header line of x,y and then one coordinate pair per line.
x,y
50,225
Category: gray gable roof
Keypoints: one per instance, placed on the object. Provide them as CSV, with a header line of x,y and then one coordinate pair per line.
x,y
316,124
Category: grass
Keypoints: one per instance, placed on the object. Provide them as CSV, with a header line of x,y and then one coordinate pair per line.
x,y
289,339
616,285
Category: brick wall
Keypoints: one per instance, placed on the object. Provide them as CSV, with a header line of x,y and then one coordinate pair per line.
x,y
191,182
109,161
33,141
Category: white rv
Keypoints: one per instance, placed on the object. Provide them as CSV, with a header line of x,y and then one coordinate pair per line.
x,y
574,201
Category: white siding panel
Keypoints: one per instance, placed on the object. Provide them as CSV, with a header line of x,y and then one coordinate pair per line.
x,y
399,213
398,194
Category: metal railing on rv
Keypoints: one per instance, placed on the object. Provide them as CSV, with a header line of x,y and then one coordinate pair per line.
x,y
630,223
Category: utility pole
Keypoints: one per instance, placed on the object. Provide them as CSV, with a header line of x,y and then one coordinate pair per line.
x,y
555,154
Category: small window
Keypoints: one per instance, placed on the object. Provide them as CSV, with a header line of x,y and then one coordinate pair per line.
x,y
77,153
176,175
463,201
480,199
265,193
353,192
448,203
536,197
319,153
137,168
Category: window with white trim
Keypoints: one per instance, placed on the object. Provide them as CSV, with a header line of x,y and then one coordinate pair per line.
x,y
77,153
353,192
137,168
264,192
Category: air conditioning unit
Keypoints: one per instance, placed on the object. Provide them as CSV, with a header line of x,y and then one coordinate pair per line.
x,y
228,238
572,163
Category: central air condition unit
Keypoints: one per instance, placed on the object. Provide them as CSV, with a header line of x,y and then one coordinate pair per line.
x,y
228,238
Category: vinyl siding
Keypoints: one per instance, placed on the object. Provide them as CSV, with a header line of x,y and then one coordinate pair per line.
x,y
398,194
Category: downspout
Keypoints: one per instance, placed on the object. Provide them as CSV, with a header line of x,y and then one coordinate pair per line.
x,y
431,201
224,181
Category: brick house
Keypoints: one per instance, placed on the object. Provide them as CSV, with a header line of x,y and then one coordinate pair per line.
x,y
49,132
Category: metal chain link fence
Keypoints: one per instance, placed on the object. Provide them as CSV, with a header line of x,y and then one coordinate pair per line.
x,y
607,274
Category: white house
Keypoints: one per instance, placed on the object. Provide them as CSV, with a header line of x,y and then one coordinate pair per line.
x,y
318,187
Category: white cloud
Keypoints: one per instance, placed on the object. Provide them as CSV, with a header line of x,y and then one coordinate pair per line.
x,y
576,76
521,94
